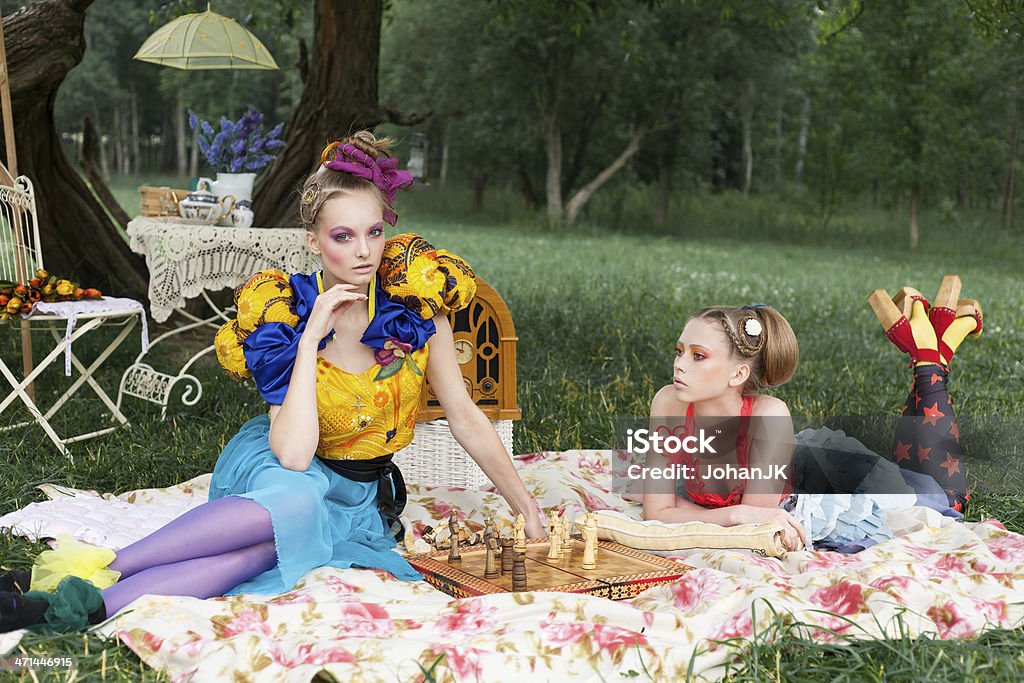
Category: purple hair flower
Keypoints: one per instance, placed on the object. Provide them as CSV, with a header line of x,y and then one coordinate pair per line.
x,y
382,172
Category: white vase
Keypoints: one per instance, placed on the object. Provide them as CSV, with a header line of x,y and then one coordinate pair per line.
x,y
238,186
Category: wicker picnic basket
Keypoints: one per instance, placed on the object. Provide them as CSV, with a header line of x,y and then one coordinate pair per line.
x,y
485,346
160,201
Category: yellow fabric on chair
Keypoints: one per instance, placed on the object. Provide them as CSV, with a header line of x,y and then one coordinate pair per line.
x,y
765,539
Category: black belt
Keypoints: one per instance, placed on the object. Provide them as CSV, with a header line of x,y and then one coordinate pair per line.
x,y
385,472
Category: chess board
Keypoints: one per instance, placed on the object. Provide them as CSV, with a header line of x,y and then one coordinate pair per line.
x,y
621,572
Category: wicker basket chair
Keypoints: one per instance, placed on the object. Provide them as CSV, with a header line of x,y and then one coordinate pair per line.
x,y
485,346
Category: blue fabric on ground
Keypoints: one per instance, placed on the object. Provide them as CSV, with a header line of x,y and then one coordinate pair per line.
x,y
852,521
320,517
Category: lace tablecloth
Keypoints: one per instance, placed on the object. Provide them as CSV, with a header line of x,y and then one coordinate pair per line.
x,y
185,258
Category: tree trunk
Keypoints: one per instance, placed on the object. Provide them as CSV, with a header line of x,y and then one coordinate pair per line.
x,y
446,144
179,134
479,186
126,155
664,192
748,148
193,155
104,157
526,187
1011,167
575,205
44,41
167,161
339,96
915,231
779,142
118,147
553,181
136,152
801,143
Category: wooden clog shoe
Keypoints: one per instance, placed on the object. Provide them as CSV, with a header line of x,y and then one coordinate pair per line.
x,y
905,320
968,323
953,318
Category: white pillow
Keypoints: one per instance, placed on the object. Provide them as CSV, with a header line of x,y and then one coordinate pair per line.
x,y
763,539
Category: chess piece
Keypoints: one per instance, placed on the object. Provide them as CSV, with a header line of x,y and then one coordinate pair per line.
x,y
589,542
506,556
489,527
453,551
563,524
490,564
554,538
453,525
519,572
519,534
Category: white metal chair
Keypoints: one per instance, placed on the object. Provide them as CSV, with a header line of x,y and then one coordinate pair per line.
x,y
20,257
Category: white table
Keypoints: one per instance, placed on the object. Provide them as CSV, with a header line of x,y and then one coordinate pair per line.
x,y
188,259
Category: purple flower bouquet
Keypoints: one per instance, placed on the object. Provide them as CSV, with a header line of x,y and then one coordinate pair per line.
x,y
240,146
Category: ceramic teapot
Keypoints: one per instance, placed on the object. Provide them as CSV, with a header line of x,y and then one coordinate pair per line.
x,y
238,185
205,206
241,216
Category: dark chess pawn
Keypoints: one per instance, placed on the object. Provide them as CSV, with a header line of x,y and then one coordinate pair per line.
x,y
519,572
506,556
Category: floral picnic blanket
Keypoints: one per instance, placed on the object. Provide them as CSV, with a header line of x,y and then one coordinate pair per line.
x,y
937,577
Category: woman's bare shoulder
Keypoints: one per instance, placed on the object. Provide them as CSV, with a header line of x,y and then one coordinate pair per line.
x,y
665,403
769,406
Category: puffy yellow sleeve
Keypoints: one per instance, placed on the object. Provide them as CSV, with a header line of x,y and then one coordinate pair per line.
x,y
427,280
265,297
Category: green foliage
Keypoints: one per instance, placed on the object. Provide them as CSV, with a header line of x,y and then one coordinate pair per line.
x,y
108,79
870,100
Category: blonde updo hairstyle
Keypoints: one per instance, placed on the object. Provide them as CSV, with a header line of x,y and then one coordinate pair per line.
x,y
771,355
324,184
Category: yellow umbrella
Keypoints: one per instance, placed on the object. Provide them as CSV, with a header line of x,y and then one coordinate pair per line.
x,y
205,41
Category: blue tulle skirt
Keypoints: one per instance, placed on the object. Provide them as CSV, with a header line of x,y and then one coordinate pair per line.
x,y
850,522
320,517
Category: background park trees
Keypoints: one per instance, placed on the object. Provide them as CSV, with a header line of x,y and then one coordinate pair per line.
x,y
904,105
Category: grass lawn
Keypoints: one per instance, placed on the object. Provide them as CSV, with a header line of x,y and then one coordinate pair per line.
x,y
597,313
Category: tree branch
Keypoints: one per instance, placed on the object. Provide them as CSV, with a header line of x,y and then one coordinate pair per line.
x,y
79,5
860,11
573,207
401,118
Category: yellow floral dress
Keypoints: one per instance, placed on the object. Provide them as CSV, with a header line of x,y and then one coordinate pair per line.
x,y
336,512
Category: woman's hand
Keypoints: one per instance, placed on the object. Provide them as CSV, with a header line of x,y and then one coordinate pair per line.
x,y
473,431
793,534
534,529
326,309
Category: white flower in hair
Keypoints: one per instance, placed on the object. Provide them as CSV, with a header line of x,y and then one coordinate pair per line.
x,y
752,327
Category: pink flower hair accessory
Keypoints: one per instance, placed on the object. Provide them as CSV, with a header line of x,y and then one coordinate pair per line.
x,y
382,172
